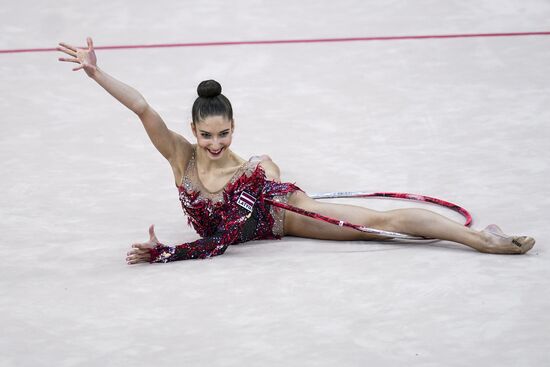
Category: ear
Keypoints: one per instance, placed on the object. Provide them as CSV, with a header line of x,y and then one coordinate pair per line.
x,y
232,126
193,128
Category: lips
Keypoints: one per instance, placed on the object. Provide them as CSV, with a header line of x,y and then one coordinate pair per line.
x,y
217,152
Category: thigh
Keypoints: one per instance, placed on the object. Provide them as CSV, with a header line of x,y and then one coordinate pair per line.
x,y
303,226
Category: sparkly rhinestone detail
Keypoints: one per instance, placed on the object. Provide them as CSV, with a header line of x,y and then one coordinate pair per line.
x,y
278,214
198,202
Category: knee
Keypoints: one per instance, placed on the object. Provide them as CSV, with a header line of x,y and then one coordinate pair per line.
x,y
390,220
399,219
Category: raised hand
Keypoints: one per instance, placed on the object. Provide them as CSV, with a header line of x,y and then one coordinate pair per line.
x,y
140,251
85,57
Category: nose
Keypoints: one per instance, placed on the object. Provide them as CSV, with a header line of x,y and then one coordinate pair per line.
x,y
215,143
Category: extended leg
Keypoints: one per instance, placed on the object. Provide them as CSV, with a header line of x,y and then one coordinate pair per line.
x,y
426,223
418,222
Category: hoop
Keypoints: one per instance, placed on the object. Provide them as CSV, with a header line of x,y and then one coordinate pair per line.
x,y
361,194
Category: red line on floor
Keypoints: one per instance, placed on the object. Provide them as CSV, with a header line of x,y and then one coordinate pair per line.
x,y
271,42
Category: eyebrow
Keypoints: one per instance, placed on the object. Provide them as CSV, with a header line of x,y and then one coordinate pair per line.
x,y
208,132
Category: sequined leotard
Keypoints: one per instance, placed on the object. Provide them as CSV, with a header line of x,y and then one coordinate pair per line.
x,y
221,219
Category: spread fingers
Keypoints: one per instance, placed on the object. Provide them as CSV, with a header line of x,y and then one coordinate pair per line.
x,y
72,48
67,51
69,60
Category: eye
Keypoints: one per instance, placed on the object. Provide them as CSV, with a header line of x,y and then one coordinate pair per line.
x,y
204,135
224,133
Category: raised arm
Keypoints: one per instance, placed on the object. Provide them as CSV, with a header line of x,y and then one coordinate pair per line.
x,y
167,142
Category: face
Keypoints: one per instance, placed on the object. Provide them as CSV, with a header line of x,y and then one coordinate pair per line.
x,y
214,135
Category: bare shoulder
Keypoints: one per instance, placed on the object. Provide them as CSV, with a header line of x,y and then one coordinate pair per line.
x,y
271,169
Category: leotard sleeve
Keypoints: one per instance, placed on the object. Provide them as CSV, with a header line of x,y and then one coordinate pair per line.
x,y
199,249
239,229
237,223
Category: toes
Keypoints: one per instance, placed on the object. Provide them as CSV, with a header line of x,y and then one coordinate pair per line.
x,y
523,243
528,244
499,243
518,241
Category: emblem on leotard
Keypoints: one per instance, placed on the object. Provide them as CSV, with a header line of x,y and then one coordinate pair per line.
x,y
246,201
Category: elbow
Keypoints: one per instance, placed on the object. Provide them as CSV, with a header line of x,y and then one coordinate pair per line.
x,y
140,107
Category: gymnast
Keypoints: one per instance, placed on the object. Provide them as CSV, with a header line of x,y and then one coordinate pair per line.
x,y
230,200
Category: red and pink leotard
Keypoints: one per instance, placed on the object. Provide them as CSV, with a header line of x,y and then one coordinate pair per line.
x,y
220,220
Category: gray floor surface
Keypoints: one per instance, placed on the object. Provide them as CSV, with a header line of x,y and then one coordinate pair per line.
x,y
463,119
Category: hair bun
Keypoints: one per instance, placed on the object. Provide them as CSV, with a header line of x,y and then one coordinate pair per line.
x,y
209,88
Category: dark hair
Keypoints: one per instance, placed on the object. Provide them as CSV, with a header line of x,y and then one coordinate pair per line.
x,y
211,102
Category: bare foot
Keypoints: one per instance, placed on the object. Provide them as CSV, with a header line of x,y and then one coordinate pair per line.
x,y
499,243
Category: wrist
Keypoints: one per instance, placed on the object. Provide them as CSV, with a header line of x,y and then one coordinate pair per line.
x,y
159,253
94,72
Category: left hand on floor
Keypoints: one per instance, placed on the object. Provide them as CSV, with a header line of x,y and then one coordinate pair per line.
x,y
140,251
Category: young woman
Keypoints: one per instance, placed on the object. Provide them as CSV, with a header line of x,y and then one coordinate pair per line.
x,y
225,195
